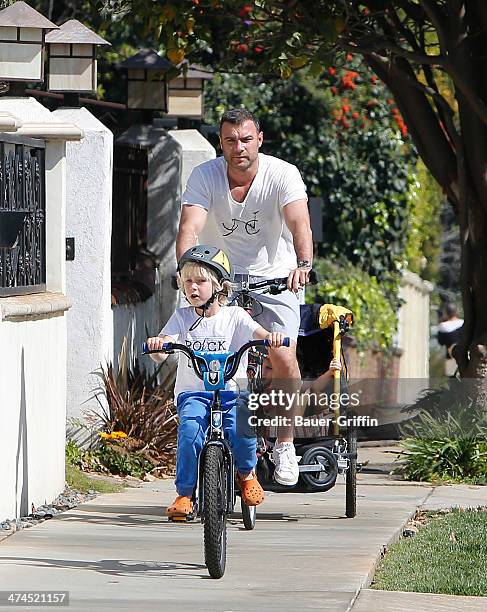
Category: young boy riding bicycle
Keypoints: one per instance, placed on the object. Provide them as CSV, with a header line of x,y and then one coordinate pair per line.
x,y
205,276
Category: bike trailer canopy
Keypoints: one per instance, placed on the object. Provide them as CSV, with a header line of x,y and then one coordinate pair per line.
x,y
315,317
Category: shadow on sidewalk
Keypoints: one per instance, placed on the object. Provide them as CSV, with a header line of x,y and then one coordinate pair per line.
x,y
155,516
120,567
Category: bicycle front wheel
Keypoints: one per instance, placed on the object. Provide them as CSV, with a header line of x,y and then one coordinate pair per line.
x,y
215,511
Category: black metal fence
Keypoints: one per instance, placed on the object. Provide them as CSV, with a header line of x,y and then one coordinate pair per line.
x,y
129,228
22,215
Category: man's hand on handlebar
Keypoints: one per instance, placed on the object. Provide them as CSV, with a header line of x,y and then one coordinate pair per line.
x,y
298,278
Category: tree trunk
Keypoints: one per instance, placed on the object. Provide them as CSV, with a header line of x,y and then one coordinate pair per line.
x,y
471,352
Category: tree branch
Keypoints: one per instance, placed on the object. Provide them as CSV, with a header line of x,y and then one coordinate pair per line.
x,y
438,19
408,35
383,45
430,140
480,9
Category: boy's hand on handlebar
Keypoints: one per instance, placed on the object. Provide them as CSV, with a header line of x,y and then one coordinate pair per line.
x,y
275,339
335,365
298,279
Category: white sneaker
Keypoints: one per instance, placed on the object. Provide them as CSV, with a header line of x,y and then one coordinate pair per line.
x,y
287,470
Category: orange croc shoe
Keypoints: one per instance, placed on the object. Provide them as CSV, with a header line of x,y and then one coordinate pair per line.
x,y
181,507
252,492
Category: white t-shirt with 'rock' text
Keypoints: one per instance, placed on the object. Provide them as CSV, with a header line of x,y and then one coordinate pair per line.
x,y
224,332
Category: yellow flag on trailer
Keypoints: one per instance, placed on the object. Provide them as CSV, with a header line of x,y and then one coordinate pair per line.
x,y
330,313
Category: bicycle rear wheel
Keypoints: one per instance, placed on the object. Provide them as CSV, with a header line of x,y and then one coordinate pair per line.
x,y
214,511
351,479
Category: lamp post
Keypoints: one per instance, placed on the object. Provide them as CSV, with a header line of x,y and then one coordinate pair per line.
x,y
72,60
22,38
186,94
146,82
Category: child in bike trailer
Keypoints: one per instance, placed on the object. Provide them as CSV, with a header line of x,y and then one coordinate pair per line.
x,y
205,276
310,392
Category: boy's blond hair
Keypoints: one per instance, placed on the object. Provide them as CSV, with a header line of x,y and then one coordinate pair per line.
x,y
224,288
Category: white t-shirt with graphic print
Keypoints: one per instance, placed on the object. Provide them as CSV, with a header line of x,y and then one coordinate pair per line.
x,y
252,233
226,331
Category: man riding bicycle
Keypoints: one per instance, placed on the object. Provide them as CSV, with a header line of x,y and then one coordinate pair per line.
x,y
254,207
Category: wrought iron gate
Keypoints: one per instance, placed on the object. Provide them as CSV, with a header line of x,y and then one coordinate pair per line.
x,y
129,227
22,216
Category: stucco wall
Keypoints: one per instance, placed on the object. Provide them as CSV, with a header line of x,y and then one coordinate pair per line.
x,y
414,326
88,278
131,321
32,413
33,345
196,150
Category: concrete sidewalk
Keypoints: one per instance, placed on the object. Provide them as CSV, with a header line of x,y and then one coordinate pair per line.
x,y
118,553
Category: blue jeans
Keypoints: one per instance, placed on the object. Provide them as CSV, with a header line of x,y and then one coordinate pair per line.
x,y
194,414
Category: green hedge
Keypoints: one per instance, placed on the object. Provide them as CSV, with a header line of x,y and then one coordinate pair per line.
x,y
374,305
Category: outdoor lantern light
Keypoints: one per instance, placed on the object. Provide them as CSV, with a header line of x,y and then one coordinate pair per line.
x,y
22,33
186,93
146,82
72,58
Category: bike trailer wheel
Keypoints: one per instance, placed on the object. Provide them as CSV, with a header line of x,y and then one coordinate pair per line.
x,y
214,510
325,478
351,478
249,514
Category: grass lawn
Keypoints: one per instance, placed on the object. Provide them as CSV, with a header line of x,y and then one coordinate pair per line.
x,y
447,555
79,480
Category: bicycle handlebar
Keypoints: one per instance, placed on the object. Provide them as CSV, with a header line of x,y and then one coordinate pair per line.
x,y
276,285
196,360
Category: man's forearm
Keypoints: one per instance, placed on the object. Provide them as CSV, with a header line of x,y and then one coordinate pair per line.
x,y
193,219
185,240
303,243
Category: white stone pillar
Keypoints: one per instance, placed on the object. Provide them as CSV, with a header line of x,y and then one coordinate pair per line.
x,y
88,276
196,150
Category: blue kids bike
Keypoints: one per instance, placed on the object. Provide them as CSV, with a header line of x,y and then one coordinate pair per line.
x,y
215,495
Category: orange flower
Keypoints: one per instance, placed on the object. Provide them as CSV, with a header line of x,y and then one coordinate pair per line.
x,y
331,71
119,434
245,10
